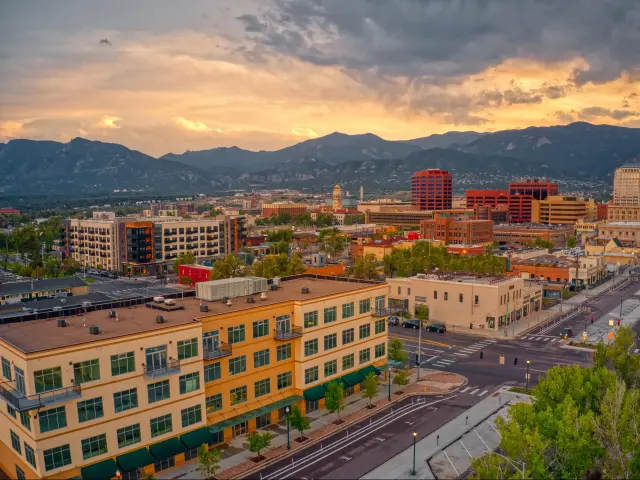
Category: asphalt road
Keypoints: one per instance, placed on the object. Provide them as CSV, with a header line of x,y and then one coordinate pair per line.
x,y
370,442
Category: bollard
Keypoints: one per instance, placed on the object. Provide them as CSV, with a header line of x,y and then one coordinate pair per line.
x,y
437,439
466,420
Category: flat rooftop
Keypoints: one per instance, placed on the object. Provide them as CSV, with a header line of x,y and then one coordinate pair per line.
x,y
453,277
39,335
621,224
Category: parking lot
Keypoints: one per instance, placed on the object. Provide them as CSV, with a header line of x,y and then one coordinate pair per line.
x,y
125,288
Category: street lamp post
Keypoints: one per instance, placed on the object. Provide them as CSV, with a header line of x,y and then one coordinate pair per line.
x,y
288,436
389,379
528,363
413,472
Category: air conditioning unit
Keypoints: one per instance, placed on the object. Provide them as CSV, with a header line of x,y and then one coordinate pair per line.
x,y
263,296
305,290
112,314
57,309
204,308
169,301
251,300
86,304
62,322
94,329
225,299
228,302
158,299
160,319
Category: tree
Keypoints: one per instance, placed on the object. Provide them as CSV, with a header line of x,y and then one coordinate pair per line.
x,y
401,378
52,267
365,268
618,356
334,399
571,242
397,352
299,421
422,313
370,387
228,267
259,441
491,466
334,244
208,461
187,258
186,280
296,265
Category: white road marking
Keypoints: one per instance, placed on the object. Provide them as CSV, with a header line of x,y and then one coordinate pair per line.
x,y
444,360
465,350
432,358
440,365
344,457
465,389
460,354
545,340
483,393
474,392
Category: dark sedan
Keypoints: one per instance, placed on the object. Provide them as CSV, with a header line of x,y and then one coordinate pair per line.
x,y
411,324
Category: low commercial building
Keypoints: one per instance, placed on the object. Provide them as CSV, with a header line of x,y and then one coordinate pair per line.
x,y
275,209
627,233
144,387
409,218
562,210
457,230
524,234
467,301
384,205
573,271
623,213
18,292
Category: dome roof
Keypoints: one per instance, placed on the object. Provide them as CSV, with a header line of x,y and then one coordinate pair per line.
x,y
337,187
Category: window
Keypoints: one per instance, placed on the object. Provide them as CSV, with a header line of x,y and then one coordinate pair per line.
x,y
94,446
164,464
347,310
214,403
284,380
261,358
399,290
365,355
189,382
48,379
310,375
330,314
311,406
187,348
408,291
25,419
330,341
379,350
125,400
237,365
421,299
6,369
90,409
235,334
310,347
283,352
262,387
56,457
261,328
348,361
238,395
435,294
311,319
348,336
460,298
20,475
380,301
161,425
380,326
365,331
330,368
87,371
365,306
29,454
158,391
122,363
11,410
15,442
212,372
476,300
128,435
446,296
52,419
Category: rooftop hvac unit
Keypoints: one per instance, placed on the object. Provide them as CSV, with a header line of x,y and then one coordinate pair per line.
x,y
276,281
169,301
112,314
86,304
160,319
305,290
204,308
274,286
251,300
158,299
263,296
225,299
62,322
94,329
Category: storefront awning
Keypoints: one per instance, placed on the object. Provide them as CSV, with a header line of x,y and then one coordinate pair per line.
x,y
353,378
218,427
167,449
337,380
314,393
196,438
132,460
104,470
367,370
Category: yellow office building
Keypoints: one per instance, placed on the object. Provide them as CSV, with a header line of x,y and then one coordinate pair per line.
x,y
137,390
562,210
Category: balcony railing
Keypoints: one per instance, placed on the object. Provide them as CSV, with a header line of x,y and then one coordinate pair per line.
x,y
23,403
287,333
156,371
387,311
224,351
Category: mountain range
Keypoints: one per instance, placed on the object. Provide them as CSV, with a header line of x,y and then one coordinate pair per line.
x,y
579,151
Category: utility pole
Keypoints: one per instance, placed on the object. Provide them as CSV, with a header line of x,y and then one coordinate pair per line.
x,y
419,348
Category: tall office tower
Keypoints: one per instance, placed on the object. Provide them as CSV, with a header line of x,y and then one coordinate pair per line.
x,y
626,185
431,190
523,192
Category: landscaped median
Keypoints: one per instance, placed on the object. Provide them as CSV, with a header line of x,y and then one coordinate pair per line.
x,y
431,383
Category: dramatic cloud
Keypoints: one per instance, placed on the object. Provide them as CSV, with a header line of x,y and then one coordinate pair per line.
x,y
109,121
194,126
594,112
304,132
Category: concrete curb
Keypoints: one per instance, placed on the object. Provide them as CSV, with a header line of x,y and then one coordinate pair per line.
x,y
341,428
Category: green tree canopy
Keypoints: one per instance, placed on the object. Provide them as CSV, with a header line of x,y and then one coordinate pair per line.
x,y
187,258
228,267
397,351
334,398
365,268
299,421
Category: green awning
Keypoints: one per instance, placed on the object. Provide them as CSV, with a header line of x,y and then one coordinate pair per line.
x,y
314,393
367,370
196,438
218,427
104,470
353,378
132,460
337,380
254,413
167,449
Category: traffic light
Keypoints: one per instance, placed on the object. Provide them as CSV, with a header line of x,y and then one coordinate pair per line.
x,y
481,355
515,361
417,361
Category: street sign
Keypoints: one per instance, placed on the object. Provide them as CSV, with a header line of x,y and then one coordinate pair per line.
x,y
501,359
610,335
611,322
584,336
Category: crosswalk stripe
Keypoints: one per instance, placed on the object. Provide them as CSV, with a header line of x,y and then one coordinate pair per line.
x,y
460,354
444,360
432,358
464,389
545,340
466,350
474,392
483,393
440,364
553,340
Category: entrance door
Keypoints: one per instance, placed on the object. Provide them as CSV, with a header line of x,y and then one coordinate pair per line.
x,y
211,341
156,358
240,429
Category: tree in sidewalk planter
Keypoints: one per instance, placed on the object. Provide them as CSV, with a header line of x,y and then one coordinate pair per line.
x,y
186,280
258,442
370,388
397,352
299,422
208,461
401,379
334,400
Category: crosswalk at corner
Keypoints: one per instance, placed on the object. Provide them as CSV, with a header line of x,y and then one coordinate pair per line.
x,y
476,391
542,339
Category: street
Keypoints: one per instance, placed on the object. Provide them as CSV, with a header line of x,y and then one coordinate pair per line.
x,y
124,288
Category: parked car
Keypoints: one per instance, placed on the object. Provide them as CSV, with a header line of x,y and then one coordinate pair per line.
x,y
566,333
411,324
393,320
113,275
104,273
93,271
437,327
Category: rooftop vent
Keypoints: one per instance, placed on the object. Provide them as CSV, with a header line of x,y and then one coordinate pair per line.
x,y
228,302
94,330
160,319
62,322
305,290
225,299
204,308
274,286
112,314
251,300
263,296
158,299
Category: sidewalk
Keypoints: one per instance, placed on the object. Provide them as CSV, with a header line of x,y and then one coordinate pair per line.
x,y
235,456
430,447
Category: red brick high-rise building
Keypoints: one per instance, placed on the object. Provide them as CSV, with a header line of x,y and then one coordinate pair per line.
x,y
486,198
431,190
523,192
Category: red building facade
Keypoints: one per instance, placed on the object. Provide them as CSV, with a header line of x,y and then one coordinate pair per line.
x,y
432,190
523,192
487,198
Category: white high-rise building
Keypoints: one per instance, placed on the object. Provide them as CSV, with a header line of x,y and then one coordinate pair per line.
x,y
626,185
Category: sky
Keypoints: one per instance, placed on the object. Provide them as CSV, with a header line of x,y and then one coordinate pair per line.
x,y
163,76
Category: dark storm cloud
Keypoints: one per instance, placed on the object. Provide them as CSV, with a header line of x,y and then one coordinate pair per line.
x,y
593,112
252,24
437,40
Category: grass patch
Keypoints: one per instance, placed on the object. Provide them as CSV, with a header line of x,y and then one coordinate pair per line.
x,y
519,390
90,280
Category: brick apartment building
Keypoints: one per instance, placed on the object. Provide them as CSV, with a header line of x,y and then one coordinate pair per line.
x,y
457,230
